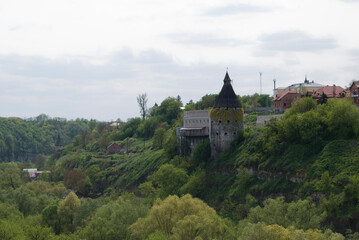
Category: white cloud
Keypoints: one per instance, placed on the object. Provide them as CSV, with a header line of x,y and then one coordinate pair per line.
x,y
91,58
296,41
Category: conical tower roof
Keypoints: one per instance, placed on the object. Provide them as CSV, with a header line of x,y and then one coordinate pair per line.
x,y
227,96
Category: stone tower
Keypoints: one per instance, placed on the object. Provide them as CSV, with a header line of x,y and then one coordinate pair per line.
x,y
226,119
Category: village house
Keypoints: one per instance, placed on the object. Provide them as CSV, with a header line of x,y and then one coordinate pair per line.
x,y
285,99
329,92
354,92
34,173
303,88
113,148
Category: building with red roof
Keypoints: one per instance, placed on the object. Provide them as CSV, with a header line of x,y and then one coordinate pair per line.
x,y
354,91
329,92
113,148
285,99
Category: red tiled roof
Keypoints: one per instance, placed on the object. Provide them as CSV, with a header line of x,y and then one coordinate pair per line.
x,y
330,91
278,97
356,83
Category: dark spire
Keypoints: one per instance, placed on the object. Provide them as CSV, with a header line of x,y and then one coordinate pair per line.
x,y
227,80
306,79
227,96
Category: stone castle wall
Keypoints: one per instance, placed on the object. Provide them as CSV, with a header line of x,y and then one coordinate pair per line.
x,y
224,128
196,119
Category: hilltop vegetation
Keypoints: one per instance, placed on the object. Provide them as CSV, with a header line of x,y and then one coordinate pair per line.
x,y
23,140
295,178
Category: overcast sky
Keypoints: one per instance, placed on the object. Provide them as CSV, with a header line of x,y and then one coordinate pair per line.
x,y
91,58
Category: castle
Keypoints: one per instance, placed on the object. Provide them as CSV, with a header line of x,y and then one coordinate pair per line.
x,y
220,125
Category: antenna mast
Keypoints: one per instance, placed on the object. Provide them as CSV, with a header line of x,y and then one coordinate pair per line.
x,y
260,82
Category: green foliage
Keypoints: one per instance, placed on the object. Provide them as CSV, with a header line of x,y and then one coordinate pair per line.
x,y
201,154
311,151
158,138
275,232
111,220
195,184
22,140
66,211
341,117
238,211
148,191
147,128
169,179
302,105
34,230
303,214
256,100
170,144
85,210
9,212
76,179
11,231
182,218
9,175
134,168
250,120
168,111
128,129
240,187
50,216
206,102
25,200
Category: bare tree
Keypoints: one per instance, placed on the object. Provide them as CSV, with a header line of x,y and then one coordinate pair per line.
x,y
142,103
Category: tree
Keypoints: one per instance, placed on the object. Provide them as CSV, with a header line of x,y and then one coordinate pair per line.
x,y
9,175
50,217
201,154
302,105
66,211
276,232
184,218
111,221
34,229
142,103
9,212
26,200
169,109
170,144
303,214
11,231
341,117
169,179
77,179
128,129
158,138
147,127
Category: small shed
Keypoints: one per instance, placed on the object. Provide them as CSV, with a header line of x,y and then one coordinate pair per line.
x,y
113,148
34,173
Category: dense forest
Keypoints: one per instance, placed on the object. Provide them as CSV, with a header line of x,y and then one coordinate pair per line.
x,y
25,139
295,178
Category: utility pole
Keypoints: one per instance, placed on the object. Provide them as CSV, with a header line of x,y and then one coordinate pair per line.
x,y
260,82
